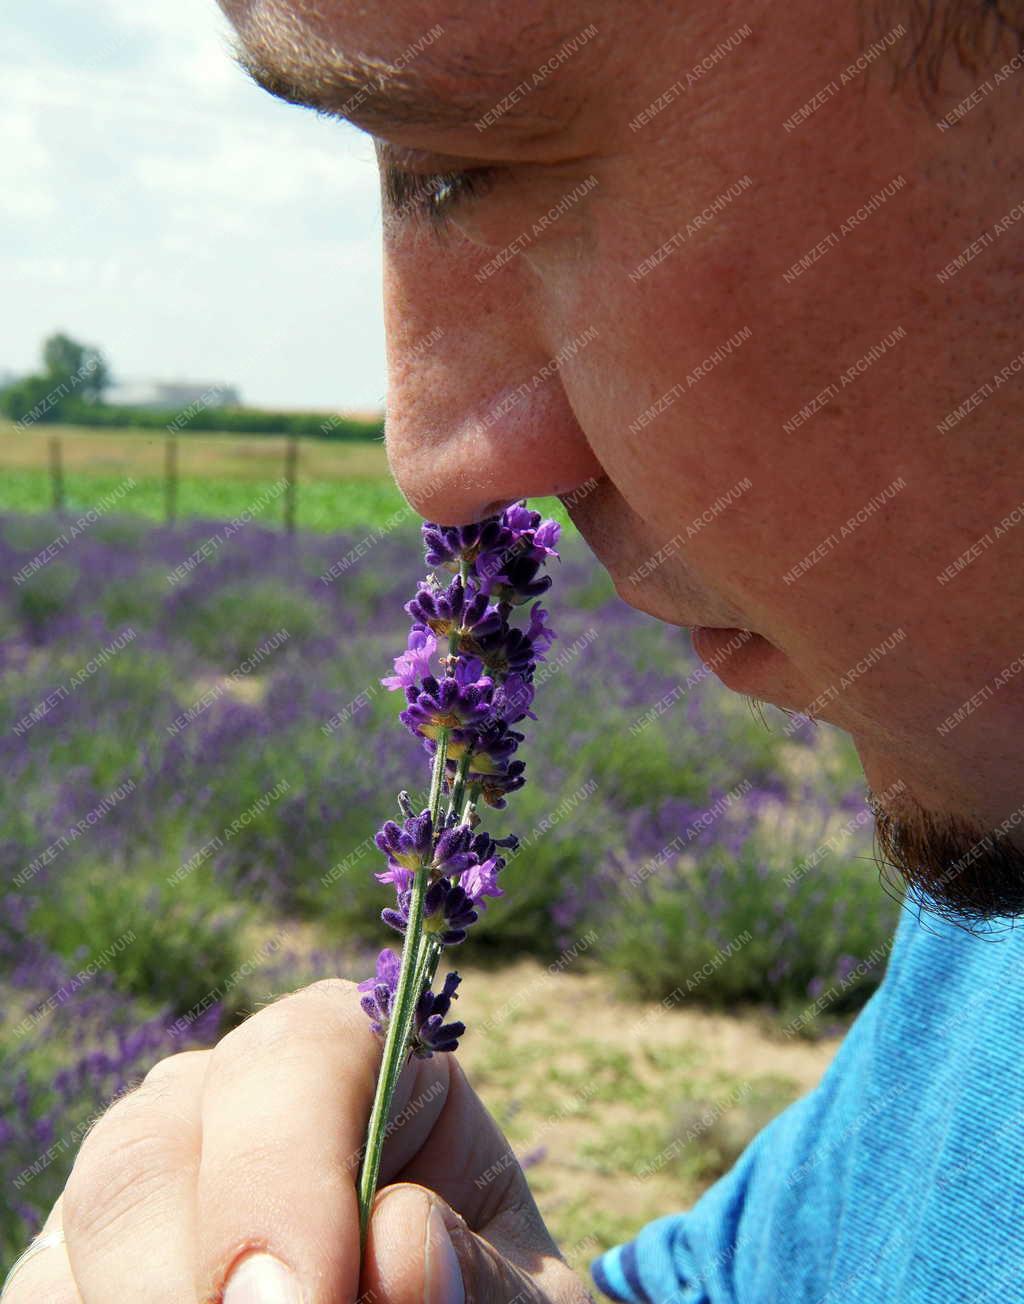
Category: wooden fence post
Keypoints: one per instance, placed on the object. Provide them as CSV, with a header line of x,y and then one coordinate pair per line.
x,y
57,473
291,475
171,479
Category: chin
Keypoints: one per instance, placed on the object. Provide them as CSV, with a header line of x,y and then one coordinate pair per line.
x,y
948,863
885,778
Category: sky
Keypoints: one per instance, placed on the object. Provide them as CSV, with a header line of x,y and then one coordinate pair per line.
x,y
160,206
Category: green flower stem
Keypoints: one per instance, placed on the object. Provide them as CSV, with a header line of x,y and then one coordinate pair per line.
x,y
431,949
469,805
426,961
459,782
437,778
420,955
407,994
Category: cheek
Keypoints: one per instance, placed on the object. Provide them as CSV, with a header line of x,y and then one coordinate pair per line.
x,y
659,398
707,373
685,395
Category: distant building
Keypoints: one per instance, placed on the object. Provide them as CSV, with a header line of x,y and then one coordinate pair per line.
x,y
173,393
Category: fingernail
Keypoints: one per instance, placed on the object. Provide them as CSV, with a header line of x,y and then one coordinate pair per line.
x,y
262,1279
442,1275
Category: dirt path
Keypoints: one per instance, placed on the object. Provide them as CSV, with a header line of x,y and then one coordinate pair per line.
x,y
623,1109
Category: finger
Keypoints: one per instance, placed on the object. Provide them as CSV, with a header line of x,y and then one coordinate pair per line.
x,y
129,1205
467,1160
498,1233
420,1250
420,1097
284,1114
46,1275
515,1237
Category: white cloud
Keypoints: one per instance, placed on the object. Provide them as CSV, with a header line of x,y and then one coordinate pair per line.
x,y
26,168
170,212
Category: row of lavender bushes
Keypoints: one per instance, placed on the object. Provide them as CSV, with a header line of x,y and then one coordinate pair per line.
x,y
674,840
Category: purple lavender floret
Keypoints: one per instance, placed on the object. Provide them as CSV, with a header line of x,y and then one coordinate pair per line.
x,y
447,909
495,788
414,662
501,647
491,748
455,850
445,704
484,846
447,545
410,843
467,674
481,880
451,609
537,535
513,580
511,701
379,991
432,1033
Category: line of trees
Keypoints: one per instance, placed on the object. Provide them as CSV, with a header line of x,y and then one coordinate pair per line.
x,y
71,372
74,378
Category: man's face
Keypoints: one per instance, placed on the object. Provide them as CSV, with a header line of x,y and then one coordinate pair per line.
x,y
696,276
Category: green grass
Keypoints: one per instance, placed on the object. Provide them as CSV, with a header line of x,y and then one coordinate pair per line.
x,y
340,486
327,505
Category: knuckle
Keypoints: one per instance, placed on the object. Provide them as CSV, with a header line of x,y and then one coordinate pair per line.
x,y
269,1034
284,1029
124,1159
518,1208
122,1162
338,992
173,1068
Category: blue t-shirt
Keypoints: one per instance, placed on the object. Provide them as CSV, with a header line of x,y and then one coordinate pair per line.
x,y
900,1178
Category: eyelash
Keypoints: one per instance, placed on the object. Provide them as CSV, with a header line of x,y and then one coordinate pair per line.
x,y
436,198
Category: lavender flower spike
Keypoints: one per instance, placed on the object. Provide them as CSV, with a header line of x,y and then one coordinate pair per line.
x,y
467,676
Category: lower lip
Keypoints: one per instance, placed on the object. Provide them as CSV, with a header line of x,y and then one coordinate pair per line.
x,y
744,662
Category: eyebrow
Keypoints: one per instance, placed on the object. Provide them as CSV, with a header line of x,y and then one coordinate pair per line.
x,y
368,92
431,83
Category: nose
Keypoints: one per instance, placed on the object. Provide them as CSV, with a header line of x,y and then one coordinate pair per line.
x,y
477,413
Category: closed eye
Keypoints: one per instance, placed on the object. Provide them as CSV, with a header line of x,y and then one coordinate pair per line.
x,y
431,197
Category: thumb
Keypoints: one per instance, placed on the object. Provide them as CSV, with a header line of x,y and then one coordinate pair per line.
x,y
420,1251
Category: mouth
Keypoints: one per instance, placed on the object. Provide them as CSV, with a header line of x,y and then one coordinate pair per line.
x,y
744,661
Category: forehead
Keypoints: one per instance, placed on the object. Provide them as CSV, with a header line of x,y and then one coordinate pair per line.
x,y
410,63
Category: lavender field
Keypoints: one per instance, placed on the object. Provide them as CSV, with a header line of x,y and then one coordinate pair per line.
x,y
196,752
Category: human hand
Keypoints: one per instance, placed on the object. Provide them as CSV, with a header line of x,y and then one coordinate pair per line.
x,y
230,1175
